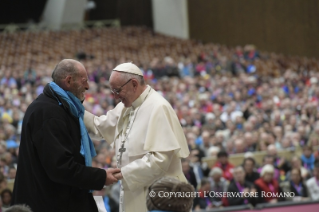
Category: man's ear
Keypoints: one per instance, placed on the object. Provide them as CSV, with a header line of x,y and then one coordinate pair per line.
x,y
135,83
68,81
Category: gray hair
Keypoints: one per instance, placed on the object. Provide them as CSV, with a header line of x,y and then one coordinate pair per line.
x,y
62,70
267,169
216,170
19,208
128,76
239,168
213,150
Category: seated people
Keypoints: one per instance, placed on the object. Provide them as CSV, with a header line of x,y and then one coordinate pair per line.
x,y
239,184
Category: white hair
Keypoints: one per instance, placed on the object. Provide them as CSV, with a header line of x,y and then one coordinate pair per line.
x,y
210,116
213,150
271,147
249,155
220,133
267,169
215,171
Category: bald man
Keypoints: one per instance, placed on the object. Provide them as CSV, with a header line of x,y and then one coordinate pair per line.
x,y
54,167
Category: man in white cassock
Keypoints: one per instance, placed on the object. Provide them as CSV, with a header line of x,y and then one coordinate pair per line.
x,y
147,135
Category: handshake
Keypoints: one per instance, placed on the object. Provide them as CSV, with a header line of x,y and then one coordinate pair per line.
x,y
113,175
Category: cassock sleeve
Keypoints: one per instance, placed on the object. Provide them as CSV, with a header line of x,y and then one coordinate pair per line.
x,y
105,125
55,149
143,172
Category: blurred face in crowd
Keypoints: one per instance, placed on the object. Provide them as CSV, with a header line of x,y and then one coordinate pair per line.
x,y
229,146
268,176
307,152
239,146
248,138
191,138
206,187
6,200
223,160
269,160
205,137
272,150
12,173
278,131
239,175
249,166
3,185
286,143
295,176
216,177
101,158
296,163
185,167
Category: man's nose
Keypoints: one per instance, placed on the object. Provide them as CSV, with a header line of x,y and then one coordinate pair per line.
x,y
87,86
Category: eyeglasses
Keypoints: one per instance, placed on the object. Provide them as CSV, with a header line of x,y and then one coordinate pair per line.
x,y
118,91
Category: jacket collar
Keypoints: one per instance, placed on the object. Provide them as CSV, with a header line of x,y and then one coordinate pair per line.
x,y
47,91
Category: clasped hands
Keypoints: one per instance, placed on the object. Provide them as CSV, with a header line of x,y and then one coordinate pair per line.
x,y
113,175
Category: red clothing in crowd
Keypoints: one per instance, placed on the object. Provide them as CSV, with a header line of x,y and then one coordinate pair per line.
x,y
227,170
263,186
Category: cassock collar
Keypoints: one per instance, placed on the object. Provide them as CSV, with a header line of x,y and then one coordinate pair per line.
x,y
141,98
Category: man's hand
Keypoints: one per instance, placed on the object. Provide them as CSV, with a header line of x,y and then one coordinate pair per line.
x,y
118,176
110,179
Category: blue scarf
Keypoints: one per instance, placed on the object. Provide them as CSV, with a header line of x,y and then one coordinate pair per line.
x,y
77,109
310,162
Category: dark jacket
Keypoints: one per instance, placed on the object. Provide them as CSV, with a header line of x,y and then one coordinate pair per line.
x,y
288,186
191,178
303,192
202,200
240,201
252,177
51,174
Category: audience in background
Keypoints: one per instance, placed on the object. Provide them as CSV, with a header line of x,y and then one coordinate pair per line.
x,y
279,163
239,184
295,185
224,165
267,185
312,183
217,184
189,173
204,200
268,159
228,99
296,164
308,158
251,175
6,196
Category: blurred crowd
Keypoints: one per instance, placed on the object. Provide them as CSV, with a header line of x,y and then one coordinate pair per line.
x,y
229,100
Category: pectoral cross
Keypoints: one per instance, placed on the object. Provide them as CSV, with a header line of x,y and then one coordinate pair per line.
x,y
121,150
